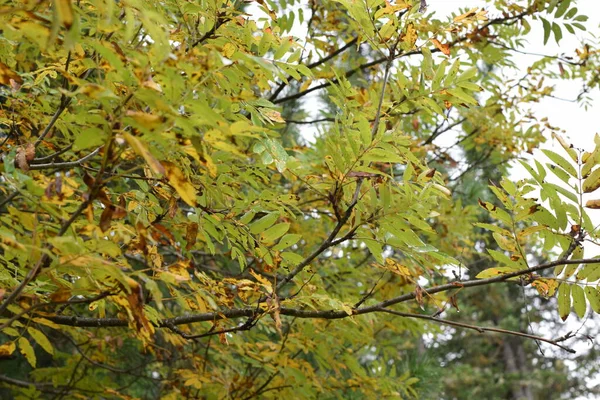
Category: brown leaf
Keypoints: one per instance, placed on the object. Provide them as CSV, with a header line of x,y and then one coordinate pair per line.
x,y
24,155
8,76
419,295
454,302
60,295
172,207
120,210
595,204
106,217
88,180
444,48
135,297
191,235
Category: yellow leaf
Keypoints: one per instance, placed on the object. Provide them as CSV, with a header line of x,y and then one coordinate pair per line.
x,y
272,115
146,120
41,339
592,182
7,349
26,349
410,37
141,150
262,280
469,14
64,10
181,184
228,50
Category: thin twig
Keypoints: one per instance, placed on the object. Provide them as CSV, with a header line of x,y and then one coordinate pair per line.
x,y
65,165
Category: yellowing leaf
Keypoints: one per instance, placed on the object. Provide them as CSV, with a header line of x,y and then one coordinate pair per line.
x,y
410,36
64,11
592,182
181,184
146,120
7,349
564,300
228,49
41,339
26,349
262,280
141,150
578,300
272,115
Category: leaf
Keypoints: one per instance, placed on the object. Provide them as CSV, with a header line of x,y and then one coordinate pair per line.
x,y
557,32
444,48
7,349
64,10
578,300
146,120
593,296
545,287
8,76
547,29
274,232
493,272
143,151
26,349
287,241
564,300
191,235
264,223
41,339
592,182
593,204
561,162
182,185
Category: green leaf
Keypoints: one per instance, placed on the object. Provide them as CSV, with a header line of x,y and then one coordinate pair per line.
x,y
593,296
561,162
572,12
264,223
459,94
287,241
562,8
274,232
439,75
564,300
578,300
557,32
547,29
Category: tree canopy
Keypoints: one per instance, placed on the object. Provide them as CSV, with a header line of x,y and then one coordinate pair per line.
x,y
170,229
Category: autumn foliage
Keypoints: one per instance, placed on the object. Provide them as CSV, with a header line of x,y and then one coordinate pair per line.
x,y
172,226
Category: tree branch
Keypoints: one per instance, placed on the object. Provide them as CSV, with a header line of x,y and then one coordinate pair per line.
x,y
66,165
480,329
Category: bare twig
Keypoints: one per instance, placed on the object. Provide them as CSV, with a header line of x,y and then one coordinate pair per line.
x,y
66,165
480,329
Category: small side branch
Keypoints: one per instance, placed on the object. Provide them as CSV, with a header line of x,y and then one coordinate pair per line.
x,y
480,329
